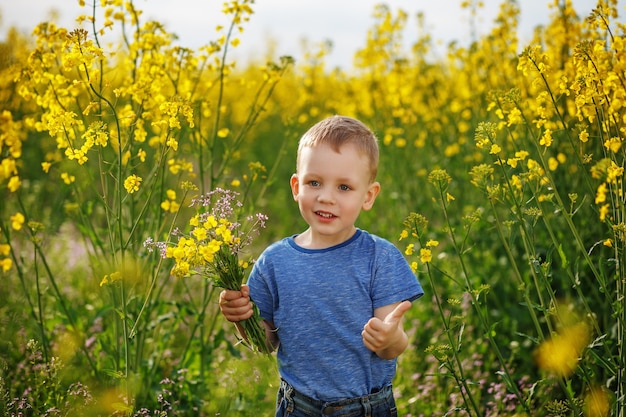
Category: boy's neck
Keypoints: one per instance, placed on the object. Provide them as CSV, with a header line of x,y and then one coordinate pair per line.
x,y
311,240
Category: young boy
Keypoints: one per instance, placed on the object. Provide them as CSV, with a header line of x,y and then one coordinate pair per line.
x,y
333,296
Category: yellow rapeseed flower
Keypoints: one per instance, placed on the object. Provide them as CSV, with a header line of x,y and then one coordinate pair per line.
x,y
199,233
132,183
17,221
583,136
560,354
6,264
67,178
14,183
546,138
604,211
426,255
409,249
553,163
601,193
597,403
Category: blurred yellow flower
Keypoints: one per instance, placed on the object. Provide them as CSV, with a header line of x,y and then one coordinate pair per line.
x,y
560,354
223,132
597,403
45,166
132,183
409,249
604,211
14,183
601,193
583,136
67,178
6,264
546,138
17,221
425,255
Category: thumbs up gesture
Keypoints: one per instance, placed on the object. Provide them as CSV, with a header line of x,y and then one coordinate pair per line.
x,y
383,334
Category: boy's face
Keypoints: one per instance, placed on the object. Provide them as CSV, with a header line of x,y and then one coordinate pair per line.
x,y
331,189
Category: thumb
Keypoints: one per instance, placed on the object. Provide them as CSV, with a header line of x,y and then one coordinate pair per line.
x,y
398,312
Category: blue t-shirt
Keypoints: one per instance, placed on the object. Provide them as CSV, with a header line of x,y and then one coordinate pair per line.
x,y
319,300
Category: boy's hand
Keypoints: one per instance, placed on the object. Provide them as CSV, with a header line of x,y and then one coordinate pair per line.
x,y
386,336
236,305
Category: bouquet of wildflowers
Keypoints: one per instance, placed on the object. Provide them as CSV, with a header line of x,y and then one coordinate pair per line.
x,y
212,249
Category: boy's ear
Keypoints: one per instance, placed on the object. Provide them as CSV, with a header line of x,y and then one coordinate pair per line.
x,y
370,197
295,186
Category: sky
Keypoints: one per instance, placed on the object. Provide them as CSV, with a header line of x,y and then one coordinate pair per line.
x,y
289,22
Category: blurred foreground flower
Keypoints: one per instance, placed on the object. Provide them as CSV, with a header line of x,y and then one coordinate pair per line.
x,y
560,354
212,248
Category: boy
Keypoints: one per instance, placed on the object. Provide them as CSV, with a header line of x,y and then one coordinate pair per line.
x,y
333,296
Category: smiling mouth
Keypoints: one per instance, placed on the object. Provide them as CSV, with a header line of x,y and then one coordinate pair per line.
x,y
325,215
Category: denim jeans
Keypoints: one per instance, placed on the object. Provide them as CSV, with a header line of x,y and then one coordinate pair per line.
x,y
290,403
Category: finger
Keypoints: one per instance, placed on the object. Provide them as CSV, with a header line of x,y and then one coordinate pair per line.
x,y
398,312
245,290
231,295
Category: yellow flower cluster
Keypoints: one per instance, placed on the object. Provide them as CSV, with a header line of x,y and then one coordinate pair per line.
x,y
199,248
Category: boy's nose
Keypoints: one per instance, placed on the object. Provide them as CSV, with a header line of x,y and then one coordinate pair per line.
x,y
325,196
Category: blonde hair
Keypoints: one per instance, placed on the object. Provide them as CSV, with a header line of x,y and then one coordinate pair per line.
x,y
336,131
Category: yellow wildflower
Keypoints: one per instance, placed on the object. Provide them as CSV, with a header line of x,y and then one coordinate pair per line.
x,y
5,249
132,183
604,211
597,403
560,354
67,178
426,255
17,221
199,233
601,193
583,136
6,264
409,249
553,163
14,183
546,138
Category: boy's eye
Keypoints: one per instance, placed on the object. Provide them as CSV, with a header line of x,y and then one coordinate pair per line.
x,y
314,183
344,187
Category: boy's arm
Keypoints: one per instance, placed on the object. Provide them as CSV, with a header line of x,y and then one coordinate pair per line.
x,y
384,334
